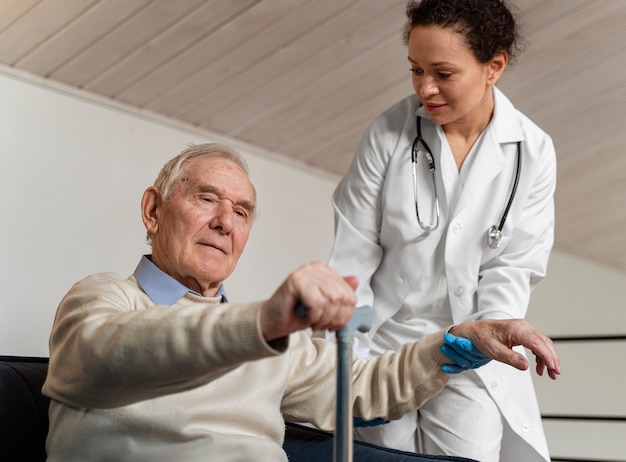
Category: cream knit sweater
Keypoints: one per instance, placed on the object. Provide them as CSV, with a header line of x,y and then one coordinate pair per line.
x,y
195,381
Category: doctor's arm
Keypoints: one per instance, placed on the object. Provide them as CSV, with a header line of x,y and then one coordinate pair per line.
x,y
507,280
358,210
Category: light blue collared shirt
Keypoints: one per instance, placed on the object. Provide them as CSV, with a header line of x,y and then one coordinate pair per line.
x,y
162,288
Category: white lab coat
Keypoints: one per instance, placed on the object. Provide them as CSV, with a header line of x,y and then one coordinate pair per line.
x,y
378,239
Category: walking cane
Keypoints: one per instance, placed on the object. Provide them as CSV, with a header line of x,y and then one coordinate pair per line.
x,y
361,320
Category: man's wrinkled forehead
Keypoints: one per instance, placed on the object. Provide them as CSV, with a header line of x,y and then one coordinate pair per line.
x,y
207,175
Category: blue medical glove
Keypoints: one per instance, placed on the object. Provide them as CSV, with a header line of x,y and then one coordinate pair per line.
x,y
358,422
464,354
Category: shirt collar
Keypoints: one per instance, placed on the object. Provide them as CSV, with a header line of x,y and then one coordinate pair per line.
x,y
161,287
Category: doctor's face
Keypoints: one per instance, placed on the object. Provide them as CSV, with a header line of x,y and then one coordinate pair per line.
x,y
200,232
447,77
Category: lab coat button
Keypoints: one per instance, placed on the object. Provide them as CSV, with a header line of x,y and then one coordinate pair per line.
x,y
456,228
459,291
494,385
525,428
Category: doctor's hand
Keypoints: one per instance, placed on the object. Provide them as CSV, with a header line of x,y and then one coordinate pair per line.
x,y
496,338
329,300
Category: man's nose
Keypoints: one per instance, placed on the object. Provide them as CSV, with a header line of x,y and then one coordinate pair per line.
x,y
223,218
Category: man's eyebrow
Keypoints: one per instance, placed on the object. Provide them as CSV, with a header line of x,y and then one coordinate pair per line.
x,y
207,188
249,206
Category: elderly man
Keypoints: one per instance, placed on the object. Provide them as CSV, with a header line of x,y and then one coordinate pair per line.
x,y
159,366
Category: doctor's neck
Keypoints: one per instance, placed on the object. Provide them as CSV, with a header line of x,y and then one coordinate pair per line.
x,y
469,126
463,132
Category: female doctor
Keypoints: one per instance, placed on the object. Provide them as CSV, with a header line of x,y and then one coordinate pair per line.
x,y
446,215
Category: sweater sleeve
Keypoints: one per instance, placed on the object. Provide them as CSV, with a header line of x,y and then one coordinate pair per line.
x,y
387,386
110,346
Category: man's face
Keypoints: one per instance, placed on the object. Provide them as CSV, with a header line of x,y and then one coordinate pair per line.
x,y
199,234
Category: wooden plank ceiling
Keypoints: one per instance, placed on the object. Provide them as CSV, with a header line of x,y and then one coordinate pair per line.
x,y
303,78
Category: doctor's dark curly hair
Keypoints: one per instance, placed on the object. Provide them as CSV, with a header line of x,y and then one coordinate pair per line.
x,y
488,26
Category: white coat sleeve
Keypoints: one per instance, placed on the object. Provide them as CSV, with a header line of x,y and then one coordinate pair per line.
x,y
357,206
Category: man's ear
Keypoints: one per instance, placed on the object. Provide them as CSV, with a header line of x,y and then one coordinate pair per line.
x,y
497,64
150,202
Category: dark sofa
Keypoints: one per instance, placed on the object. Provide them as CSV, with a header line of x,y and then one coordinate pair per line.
x,y
24,423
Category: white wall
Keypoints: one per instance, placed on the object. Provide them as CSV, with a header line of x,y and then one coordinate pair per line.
x,y
71,178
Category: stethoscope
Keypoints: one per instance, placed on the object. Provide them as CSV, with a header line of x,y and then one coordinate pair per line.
x,y
494,233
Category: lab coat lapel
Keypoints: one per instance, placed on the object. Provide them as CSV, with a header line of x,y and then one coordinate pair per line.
x,y
487,164
503,131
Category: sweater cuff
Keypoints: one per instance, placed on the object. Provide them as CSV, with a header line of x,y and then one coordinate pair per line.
x,y
433,344
276,346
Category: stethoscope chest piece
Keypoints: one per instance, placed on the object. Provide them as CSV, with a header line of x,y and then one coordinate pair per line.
x,y
494,236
